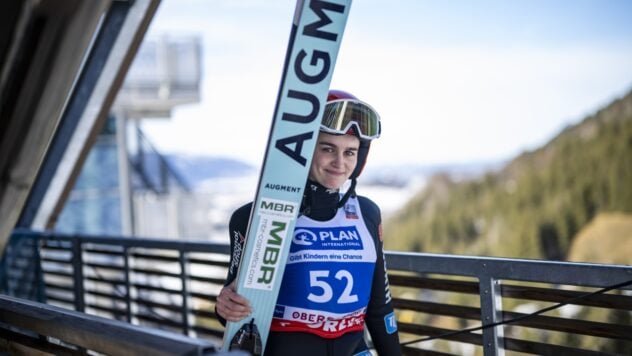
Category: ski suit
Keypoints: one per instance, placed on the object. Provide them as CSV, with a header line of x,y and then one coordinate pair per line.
x,y
335,281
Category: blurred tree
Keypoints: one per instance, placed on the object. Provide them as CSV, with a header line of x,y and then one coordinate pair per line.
x,y
536,204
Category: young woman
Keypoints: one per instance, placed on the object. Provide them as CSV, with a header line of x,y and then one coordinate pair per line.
x,y
335,280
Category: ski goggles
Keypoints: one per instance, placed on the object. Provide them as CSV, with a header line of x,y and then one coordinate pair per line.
x,y
341,115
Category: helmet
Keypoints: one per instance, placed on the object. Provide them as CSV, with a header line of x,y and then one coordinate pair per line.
x,y
346,114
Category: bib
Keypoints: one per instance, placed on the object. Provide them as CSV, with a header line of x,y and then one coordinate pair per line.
x,y
328,275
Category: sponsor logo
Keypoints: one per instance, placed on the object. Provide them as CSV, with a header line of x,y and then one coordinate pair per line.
x,y
279,310
271,253
277,207
281,187
311,66
314,238
307,317
390,323
238,242
387,290
326,328
272,228
338,325
304,237
350,211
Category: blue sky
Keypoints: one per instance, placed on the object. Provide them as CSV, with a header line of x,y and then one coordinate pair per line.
x,y
454,81
539,22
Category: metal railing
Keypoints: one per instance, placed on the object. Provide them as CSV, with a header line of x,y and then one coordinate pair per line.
x,y
58,331
173,285
596,323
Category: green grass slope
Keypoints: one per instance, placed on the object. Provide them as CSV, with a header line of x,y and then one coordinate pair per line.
x,y
606,239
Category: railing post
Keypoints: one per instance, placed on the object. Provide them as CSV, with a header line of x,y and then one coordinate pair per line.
x,y
77,267
128,285
184,271
491,312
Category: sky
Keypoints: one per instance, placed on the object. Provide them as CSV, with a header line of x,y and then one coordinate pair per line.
x,y
454,81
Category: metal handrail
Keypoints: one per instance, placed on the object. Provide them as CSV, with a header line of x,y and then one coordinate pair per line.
x,y
95,333
558,272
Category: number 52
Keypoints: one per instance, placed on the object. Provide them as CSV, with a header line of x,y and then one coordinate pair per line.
x,y
318,279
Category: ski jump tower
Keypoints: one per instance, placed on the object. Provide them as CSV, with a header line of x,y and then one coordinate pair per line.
x,y
165,73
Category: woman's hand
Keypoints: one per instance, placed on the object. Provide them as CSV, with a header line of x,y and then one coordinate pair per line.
x,y
232,306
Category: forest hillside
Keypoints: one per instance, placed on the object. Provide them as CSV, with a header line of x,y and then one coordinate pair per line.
x,y
536,205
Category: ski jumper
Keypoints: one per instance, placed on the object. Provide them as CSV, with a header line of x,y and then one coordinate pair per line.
x,y
335,280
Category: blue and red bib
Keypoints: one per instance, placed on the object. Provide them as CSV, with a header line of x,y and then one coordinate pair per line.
x,y
327,282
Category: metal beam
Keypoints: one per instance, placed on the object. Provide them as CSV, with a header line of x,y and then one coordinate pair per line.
x,y
45,57
114,49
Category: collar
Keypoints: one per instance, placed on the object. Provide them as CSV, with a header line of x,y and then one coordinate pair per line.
x,y
319,202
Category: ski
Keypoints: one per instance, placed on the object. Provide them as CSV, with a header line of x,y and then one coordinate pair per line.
x,y
315,38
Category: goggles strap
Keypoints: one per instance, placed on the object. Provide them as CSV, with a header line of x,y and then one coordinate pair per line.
x,y
348,193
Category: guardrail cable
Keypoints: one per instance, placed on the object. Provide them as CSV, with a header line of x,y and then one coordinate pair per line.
x,y
122,294
522,317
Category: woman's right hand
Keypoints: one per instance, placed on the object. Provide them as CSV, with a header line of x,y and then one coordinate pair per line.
x,y
232,306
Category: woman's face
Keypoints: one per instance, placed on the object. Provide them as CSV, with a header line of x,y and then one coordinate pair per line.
x,y
334,160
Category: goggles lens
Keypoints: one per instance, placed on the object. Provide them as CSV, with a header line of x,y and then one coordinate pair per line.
x,y
341,115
